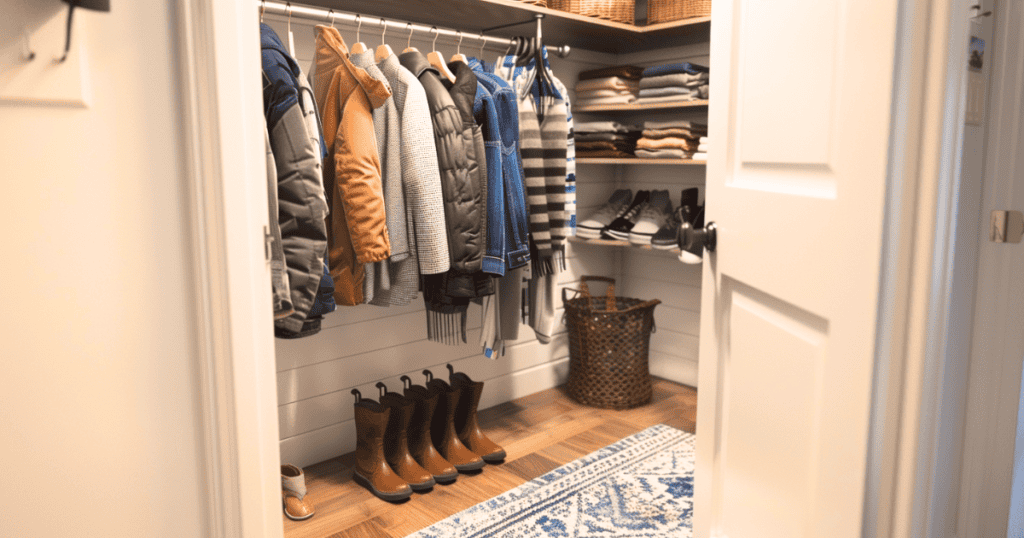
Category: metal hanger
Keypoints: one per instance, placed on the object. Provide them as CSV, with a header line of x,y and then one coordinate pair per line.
x,y
408,44
459,56
437,60
331,15
263,8
291,35
483,43
359,46
383,51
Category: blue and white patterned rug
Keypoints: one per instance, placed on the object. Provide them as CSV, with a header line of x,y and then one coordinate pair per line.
x,y
639,487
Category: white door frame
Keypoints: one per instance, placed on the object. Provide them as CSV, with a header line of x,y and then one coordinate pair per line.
x,y
219,76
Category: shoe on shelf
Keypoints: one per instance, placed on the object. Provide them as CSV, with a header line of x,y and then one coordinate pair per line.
x,y
293,494
615,208
619,228
667,238
653,217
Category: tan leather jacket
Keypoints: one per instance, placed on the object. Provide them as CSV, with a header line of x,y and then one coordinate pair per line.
x,y
356,229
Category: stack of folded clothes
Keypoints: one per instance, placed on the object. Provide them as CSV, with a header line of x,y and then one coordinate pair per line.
x,y
673,82
702,149
606,139
608,86
672,139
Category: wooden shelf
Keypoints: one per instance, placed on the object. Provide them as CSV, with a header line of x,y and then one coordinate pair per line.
x,y
638,108
560,27
635,160
611,243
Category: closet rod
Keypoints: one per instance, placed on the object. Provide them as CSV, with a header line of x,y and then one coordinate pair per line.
x,y
327,15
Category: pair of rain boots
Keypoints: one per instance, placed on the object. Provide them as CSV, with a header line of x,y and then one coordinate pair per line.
x,y
427,435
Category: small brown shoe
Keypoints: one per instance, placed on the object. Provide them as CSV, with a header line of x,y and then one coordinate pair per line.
x,y
293,494
442,428
466,425
420,445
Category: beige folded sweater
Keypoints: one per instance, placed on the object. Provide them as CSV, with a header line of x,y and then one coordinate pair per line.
x,y
670,142
610,83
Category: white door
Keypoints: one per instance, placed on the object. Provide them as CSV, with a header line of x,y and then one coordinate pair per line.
x,y
799,127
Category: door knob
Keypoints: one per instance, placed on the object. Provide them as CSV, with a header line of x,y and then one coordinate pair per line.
x,y
693,241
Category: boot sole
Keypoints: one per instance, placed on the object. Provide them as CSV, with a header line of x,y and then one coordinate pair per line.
x,y
446,478
494,458
422,486
391,497
475,466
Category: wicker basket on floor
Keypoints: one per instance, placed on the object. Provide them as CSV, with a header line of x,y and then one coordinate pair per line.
x,y
623,11
609,341
674,10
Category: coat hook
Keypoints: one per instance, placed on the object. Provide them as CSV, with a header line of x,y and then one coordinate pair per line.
x,y
408,43
29,54
67,41
978,13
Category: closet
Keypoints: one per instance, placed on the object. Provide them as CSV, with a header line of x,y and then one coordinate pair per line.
x,y
315,374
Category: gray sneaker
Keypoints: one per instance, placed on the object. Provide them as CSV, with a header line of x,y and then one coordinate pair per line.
x,y
653,217
615,208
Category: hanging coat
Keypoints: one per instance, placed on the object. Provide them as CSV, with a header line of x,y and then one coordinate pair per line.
x,y
357,232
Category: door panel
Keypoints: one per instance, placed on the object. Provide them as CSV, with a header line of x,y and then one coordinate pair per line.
x,y
799,123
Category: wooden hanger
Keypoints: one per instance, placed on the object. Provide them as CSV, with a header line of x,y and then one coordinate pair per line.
x,y
459,56
383,51
408,44
437,60
359,47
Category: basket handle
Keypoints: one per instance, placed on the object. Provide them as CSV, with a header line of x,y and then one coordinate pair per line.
x,y
609,294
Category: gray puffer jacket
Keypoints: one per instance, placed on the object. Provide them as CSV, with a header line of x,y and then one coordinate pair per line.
x,y
463,200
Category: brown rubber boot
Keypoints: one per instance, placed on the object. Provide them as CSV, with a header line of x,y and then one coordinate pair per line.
x,y
442,428
466,425
372,470
396,441
420,445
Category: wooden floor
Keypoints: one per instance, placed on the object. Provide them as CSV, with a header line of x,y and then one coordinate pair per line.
x,y
539,432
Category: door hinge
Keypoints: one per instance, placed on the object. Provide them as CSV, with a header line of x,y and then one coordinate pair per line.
x,y
268,242
1006,227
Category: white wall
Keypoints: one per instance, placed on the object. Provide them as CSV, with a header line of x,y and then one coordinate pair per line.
x,y
96,397
359,346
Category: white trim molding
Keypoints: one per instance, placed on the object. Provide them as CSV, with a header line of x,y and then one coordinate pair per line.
x,y
219,69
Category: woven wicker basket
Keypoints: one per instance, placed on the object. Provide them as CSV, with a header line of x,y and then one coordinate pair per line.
x,y
674,10
613,10
609,341
541,3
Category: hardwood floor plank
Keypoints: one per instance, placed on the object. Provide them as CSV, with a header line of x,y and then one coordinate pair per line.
x,y
539,432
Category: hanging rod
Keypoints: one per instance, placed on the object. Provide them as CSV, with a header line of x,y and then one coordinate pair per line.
x,y
328,15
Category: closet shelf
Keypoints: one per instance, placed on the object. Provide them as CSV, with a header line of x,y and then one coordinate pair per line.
x,y
612,243
636,108
571,29
635,160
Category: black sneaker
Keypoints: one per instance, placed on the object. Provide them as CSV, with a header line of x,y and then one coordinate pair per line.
x,y
620,227
667,238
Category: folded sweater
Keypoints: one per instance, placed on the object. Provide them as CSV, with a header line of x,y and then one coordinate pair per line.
x,y
678,79
681,93
679,133
674,124
592,137
604,154
628,72
667,153
598,101
662,143
664,99
601,127
610,83
682,67
591,94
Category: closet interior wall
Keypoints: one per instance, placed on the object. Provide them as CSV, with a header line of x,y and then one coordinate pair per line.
x,y
652,274
359,346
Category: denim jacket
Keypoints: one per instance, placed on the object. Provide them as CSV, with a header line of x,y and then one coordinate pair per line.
x,y
496,111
